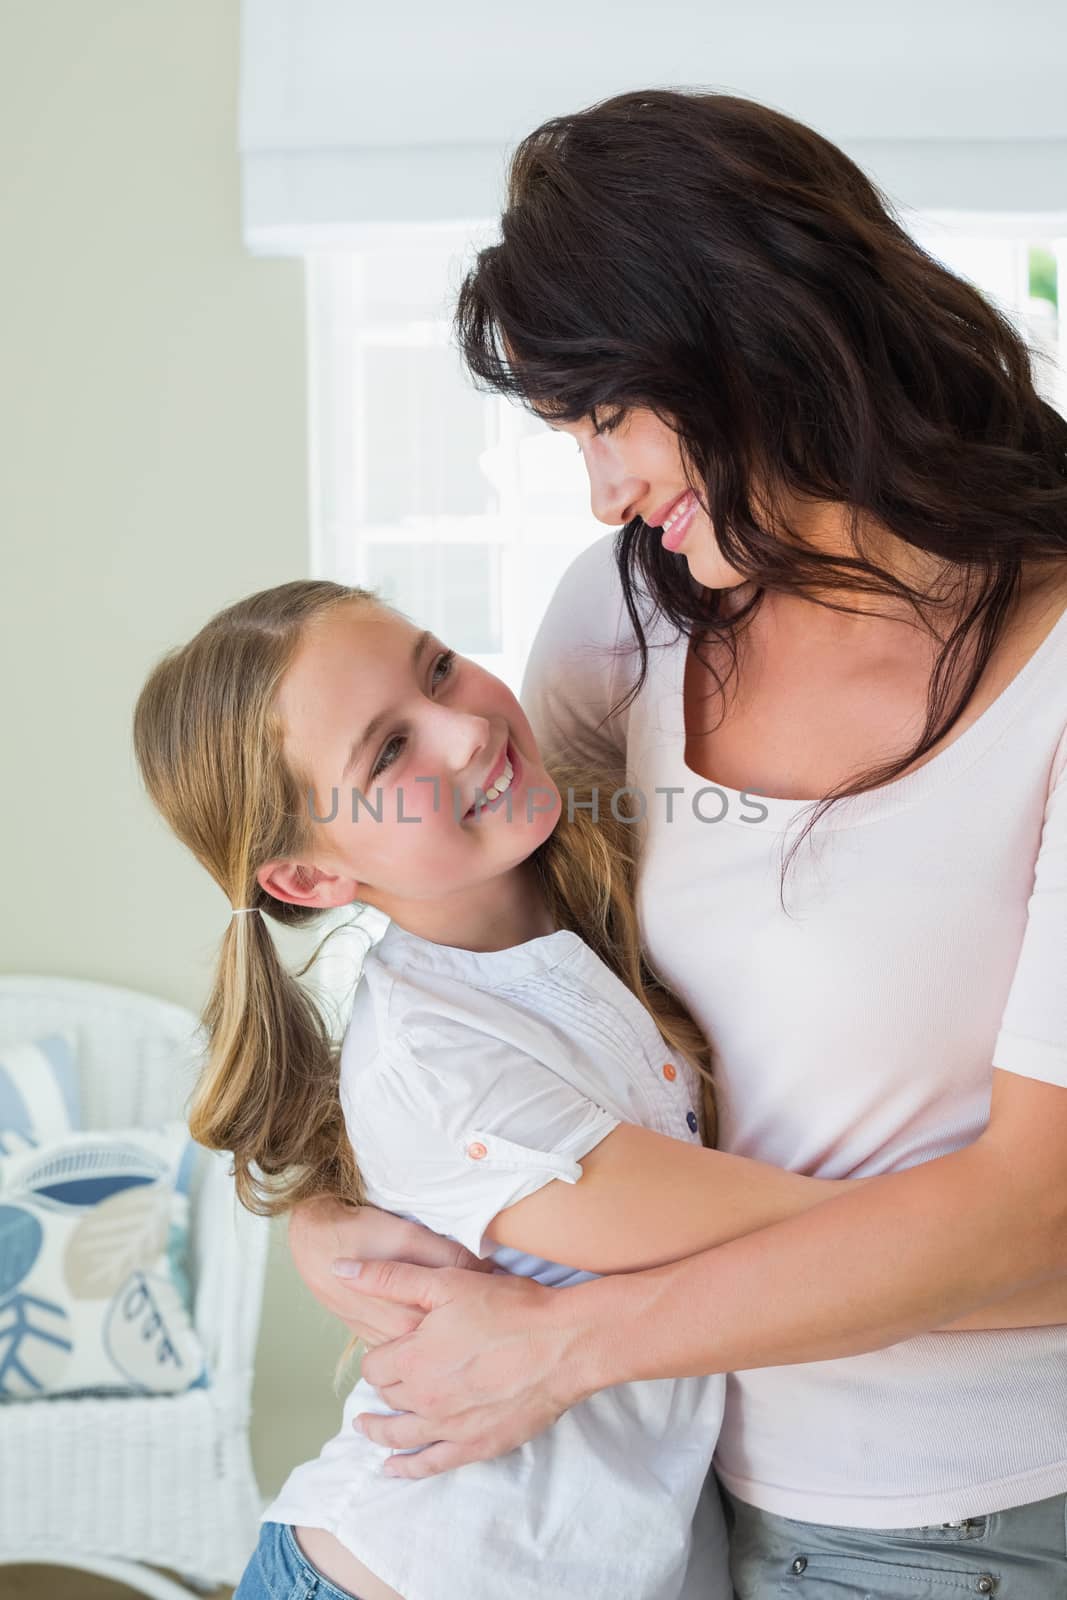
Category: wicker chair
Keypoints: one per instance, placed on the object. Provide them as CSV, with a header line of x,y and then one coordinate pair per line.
x,y
119,1486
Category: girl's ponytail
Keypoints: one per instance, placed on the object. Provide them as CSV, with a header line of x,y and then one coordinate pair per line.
x,y
209,745
269,1089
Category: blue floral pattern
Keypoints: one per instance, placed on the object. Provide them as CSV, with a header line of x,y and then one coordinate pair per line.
x,y
94,1289
32,1350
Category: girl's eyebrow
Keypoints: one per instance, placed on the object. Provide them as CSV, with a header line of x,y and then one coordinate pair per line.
x,y
383,716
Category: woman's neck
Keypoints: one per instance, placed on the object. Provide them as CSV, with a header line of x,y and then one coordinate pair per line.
x,y
846,616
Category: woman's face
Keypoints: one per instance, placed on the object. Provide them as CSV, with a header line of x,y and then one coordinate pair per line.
x,y
635,470
407,747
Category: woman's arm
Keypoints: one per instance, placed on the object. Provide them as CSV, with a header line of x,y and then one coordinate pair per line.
x,y
496,1359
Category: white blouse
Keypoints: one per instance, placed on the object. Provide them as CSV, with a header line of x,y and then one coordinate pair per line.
x,y
468,1081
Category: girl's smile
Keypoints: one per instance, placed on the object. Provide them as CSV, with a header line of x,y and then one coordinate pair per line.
x,y
504,774
433,743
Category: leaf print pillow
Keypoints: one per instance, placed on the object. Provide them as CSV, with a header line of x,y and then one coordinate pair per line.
x,y
39,1090
94,1284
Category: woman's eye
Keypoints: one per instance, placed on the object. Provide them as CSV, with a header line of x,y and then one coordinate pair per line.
x,y
385,759
609,422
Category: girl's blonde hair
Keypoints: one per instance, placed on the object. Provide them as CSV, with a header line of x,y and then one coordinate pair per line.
x,y
209,743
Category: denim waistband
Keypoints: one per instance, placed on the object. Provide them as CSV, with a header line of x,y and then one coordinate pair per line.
x,y
279,1570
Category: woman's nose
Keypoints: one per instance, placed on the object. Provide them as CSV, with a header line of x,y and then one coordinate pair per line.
x,y
614,494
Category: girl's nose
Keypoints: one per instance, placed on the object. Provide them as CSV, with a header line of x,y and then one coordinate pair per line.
x,y
464,737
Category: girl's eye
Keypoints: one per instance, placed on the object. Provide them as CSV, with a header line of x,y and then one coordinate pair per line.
x,y
447,660
442,669
385,759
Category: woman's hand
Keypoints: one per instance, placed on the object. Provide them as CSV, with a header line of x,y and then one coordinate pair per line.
x,y
492,1362
322,1230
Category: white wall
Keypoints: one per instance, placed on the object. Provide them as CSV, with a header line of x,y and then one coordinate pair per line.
x,y
152,439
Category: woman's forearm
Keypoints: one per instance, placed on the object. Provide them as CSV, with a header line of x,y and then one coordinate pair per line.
x,y
1043,1305
890,1258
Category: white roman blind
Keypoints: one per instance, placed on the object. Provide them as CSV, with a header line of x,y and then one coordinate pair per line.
x,y
356,117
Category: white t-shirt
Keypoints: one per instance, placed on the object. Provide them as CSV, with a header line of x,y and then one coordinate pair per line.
x,y
469,1081
926,942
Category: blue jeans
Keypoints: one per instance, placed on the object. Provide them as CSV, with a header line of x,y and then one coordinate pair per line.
x,y
1020,1554
279,1570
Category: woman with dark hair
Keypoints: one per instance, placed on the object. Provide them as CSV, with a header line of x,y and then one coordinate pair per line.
x,y
830,644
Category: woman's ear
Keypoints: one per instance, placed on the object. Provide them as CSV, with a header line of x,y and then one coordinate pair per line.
x,y
300,884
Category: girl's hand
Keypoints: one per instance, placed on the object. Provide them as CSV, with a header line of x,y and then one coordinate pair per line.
x,y
492,1362
322,1230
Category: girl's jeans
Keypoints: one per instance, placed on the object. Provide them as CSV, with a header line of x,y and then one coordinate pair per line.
x,y
279,1570
1019,1554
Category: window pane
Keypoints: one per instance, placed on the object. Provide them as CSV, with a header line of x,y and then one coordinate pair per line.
x,y
451,588
424,428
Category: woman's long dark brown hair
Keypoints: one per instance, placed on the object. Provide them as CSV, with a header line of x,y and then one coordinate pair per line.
x,y
728,268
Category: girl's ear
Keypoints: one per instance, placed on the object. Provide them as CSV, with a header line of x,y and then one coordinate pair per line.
x,y
300,884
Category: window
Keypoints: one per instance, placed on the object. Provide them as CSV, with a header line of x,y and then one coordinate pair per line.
x,y
460,507
1022,272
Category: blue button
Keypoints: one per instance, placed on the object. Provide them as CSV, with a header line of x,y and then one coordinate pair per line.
x,y
692,1121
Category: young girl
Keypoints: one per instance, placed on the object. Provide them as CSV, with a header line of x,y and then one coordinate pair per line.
x,y
313,748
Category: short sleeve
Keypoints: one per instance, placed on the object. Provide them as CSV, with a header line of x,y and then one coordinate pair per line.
x,y
575,671
1033,1036
454,1124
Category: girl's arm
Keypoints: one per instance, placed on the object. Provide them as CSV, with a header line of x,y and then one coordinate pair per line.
x,y
1043,1306
496,1360
646,1199
883,1261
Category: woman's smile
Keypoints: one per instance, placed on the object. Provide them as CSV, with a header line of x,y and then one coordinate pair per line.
x,y
675,528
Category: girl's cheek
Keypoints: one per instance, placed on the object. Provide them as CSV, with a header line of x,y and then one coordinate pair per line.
x,y
421,806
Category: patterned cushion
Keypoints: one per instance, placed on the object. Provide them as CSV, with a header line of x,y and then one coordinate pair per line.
x,y
94,1287
39,1097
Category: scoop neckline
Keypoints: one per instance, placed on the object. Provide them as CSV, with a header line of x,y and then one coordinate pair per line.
x,y
495,966
877,803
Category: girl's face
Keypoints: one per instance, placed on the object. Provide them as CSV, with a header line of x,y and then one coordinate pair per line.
x,y
404,744
635,470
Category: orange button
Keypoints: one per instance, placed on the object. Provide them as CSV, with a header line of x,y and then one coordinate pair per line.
x,y
477,1151
670,1073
